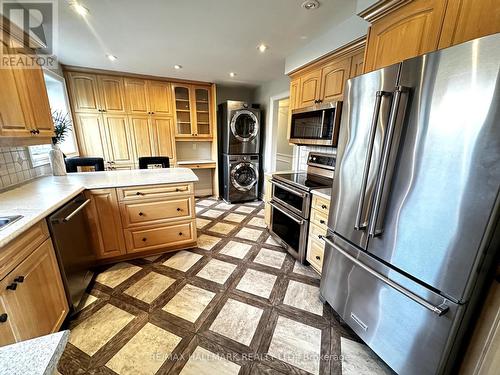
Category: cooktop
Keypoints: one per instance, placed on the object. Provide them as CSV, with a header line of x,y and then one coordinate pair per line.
x,y
304,180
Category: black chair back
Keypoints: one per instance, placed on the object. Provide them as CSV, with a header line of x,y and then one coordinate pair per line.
x,y
72,164
145,161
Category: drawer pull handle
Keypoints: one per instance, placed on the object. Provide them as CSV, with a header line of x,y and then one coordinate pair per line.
x,y
318,257
141,214
322,222
19,279
324,207
139,193
180,233
3,318
144,239
179,209
177,189
12,286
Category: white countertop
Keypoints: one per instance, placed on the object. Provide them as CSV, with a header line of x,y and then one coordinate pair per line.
x,y
37,356
200,161
35,200
323,193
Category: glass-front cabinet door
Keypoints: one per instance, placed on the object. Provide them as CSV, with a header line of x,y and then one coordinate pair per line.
x,y
183,111
192,109
202,107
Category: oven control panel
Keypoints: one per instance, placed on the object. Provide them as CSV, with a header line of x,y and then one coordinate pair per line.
x,y
326,161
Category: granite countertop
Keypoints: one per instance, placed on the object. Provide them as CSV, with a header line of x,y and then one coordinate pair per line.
x,y
323,193
35,200
35,356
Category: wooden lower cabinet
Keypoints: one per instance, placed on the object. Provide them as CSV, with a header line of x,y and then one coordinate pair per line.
x,y
32,297
157,237
318,227
103,215
140,219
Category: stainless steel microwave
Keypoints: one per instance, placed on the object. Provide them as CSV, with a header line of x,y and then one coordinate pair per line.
x,y
317,125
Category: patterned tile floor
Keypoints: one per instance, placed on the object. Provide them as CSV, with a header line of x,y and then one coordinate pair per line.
x,y
236,304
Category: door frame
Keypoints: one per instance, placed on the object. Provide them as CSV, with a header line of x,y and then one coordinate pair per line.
x,y
271,129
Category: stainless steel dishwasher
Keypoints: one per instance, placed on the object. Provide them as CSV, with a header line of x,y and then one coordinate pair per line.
x,y
70,235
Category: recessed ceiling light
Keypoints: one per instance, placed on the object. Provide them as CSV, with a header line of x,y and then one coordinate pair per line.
x,y
303,37
177,66
111,57
80,9
310,4
232,74
262,47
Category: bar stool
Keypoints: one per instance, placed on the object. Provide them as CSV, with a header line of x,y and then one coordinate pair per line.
x,y
146,161
72,164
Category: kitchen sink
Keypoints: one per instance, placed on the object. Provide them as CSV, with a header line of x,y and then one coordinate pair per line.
x,y
5,221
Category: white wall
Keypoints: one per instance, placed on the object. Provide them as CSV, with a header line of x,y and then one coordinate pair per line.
x,y
263,95
338,35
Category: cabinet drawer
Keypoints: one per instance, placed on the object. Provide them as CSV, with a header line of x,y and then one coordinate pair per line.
x,y
153,192
315,253
18,249
319,218
150,213
315,231
149,238
321,204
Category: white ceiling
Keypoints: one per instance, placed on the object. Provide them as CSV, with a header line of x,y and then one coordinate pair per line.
x,y
209,38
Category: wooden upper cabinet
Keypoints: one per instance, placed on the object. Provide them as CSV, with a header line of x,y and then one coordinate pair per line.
x,y
84,92
294,87
39,100
103,216
137,96
91,135
309,88
408,31
164,142
119,140
202,111
333,78
469,19
38,305
142,135
357,64
112,94
160,98
13,105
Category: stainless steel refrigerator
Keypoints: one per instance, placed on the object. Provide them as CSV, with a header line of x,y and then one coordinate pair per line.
x,y
413,224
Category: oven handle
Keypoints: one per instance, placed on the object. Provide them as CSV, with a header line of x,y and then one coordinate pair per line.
x,y
274,182
438,310
300,222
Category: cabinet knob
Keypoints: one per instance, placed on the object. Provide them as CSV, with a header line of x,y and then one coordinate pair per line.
x,y
19,279
12,286
322,222
144,239
141,213
139,193
3,318
178,209
318,257
37,131
324,207
180,233
152,113
177,189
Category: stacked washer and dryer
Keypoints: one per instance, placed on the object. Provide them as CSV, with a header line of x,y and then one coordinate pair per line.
x,y
239,136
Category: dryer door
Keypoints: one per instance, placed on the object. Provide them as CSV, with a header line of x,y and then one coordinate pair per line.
x,y
244,125
244,176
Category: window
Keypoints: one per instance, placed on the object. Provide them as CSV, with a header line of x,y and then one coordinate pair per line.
x,y
58,100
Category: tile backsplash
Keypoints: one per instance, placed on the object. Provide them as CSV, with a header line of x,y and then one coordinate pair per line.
x,y
15,167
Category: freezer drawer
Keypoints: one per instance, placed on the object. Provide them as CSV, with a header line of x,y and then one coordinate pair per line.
x,y
409,337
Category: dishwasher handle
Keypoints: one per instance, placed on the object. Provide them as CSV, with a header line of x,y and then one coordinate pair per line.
x,y
78,209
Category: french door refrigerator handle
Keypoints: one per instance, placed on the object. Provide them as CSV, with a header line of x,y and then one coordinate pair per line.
x,y
379,187
438,310
376,111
